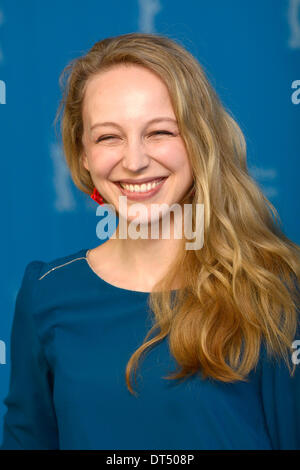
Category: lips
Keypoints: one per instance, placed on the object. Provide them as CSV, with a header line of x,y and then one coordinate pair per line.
x,y
141,181
138,196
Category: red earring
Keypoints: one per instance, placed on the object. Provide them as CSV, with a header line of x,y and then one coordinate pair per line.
x,y
96,196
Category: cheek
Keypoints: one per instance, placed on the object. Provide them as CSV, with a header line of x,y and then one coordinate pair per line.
x,y
101,163
174,156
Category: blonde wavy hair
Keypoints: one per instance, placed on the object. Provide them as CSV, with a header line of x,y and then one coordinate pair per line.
x,y
242,287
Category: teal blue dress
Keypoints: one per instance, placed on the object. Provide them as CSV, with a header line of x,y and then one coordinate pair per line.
x,y
72,336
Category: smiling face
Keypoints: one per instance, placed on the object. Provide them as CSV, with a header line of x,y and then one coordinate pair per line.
x,y
130,135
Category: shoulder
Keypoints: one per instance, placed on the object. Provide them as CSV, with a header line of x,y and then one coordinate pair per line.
x,y
38,269
62,265
41,277
48,286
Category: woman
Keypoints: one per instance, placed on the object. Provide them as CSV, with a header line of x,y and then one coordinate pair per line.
x,y
218,322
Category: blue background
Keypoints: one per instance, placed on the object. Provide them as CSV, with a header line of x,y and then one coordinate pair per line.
x,y
250,50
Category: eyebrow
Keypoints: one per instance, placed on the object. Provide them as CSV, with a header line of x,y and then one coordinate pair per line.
x,y
110,123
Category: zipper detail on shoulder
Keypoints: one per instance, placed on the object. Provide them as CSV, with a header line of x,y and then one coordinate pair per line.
x,y
60,266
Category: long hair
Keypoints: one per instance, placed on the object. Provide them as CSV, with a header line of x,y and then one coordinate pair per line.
x,y
241,288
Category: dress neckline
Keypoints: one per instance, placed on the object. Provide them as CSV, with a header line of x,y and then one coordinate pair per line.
x,y
85,252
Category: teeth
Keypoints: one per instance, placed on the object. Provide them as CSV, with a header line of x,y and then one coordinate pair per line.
x,y
140,188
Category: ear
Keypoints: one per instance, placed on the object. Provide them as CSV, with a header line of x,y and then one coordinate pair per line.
x,y
84,161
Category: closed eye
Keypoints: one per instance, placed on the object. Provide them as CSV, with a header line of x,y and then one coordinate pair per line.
x,y
105,137
161,132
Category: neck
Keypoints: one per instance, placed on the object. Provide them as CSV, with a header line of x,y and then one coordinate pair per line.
x,y
147,258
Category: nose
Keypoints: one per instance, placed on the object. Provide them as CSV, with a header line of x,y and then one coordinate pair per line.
x,y
135,157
